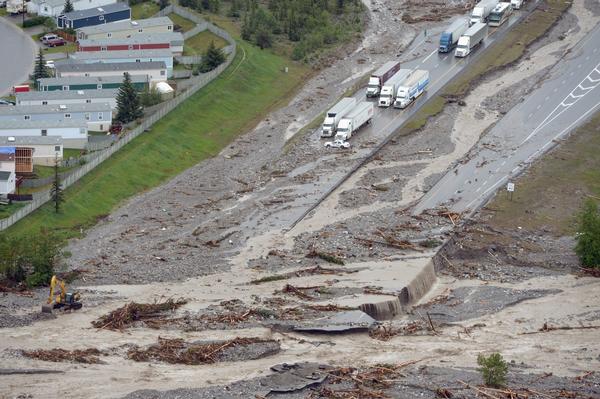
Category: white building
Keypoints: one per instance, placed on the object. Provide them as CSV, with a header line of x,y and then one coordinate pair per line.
x,y
126,28
73,133
54,8
97,116
58,97
111,57
46,149
156,71
8,176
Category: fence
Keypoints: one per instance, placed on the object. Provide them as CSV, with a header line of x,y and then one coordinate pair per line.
x,y
196,59
182,74
97,158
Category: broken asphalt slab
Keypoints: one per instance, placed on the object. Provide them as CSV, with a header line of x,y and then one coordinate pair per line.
x,y
350,321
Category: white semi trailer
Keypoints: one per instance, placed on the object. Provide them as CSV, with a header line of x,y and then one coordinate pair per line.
x,y
380,76
360,115
388,91
412,87
335,114
470,39
482,10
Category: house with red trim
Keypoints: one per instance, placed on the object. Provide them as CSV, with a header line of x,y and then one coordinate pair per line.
x,y
150,41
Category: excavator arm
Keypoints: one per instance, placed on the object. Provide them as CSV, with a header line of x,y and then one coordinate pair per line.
x,y
61,300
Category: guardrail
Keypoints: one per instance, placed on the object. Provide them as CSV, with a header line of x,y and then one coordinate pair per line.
x,y
40,198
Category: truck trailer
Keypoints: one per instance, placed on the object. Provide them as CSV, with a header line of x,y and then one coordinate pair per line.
x,y
380,76
482,10
335,114
389,89
450,35
361,114
412,87
470,39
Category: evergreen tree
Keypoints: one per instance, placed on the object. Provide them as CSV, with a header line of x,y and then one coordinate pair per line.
x,y
40,71
56,192
128,101
212,58
246,29
588,239
263,38
68,7
234,10
163,4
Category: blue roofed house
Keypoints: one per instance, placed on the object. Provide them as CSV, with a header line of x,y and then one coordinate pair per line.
x,y
94,16
7,170
97,116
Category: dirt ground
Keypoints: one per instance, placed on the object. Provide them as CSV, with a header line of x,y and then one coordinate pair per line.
x,y
214,235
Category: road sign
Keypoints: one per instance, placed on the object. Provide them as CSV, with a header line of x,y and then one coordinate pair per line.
x,y
510,187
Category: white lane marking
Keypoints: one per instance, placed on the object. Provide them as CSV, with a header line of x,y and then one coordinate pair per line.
x,y
436,65
530,115
564,104
478,189
539,106
515,169
497,169
466,181
547,98
429,56
486,191
444,59
484,183
503,163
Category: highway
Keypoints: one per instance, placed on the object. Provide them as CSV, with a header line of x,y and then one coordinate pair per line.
x,y
18,52
563,101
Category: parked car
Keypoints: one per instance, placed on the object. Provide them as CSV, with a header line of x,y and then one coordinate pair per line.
x,y
116,128
337,144
49,36
6,102
56,42
50,64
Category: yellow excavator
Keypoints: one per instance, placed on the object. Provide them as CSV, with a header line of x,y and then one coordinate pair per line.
x,y
63,300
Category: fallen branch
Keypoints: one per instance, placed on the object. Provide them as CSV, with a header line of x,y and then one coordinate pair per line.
x,y
479,390
547,328
325,256
125,316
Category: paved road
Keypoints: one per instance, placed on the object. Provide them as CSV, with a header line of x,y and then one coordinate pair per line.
x,y
18,52
564,101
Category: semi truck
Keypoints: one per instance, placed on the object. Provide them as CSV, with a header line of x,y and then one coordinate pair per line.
x,y
500,14
482,10
470,39
361,114
380,76
412,87
450,35
335,114
388,91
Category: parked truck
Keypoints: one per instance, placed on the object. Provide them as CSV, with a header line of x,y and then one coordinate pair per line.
x,y
14,7
335,114
482,10
380,76
361,114
389,89
470,39
450,35
412,87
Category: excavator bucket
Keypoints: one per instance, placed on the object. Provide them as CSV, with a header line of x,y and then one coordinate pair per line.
x,y
47,308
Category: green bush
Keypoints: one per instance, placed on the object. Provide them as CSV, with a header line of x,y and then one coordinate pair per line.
x,y
493,369
150,97
588,237
35,21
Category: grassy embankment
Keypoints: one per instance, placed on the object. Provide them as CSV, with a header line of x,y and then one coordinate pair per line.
x,y
184,23
552,192
197,44
144,10
198,129
501,54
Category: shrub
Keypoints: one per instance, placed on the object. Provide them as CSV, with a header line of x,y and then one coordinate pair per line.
x,y
588,237
35,21
150,97
493,369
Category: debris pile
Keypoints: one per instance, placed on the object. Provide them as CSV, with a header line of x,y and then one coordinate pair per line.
x,y
314,253
133,312
385,333
177,351
87,356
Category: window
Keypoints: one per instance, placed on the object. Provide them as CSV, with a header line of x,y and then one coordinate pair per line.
x,y
131,47
162,73
137,60
140,30
100,116
101,18
87,116
101,127
26,117
44,132
98,86
67,116
66,87
109,34
102,48
44,102
169,27
86,74
56,148
88,101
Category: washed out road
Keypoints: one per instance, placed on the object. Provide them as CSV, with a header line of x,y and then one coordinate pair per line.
x,y
565,99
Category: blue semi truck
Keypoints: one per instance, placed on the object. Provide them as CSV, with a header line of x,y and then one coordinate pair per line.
x,y
450,35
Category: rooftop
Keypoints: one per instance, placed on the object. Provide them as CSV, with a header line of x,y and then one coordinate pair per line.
x,y
54,108
21,141
175,38
129,54
92,12
75,80
67,94
126,25
112,66
20,124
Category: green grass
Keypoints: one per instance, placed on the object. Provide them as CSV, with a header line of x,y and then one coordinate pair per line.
x,y
184,23
554,189
3,12
254,84
197,44
68,48
144,10
7,210
71,153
